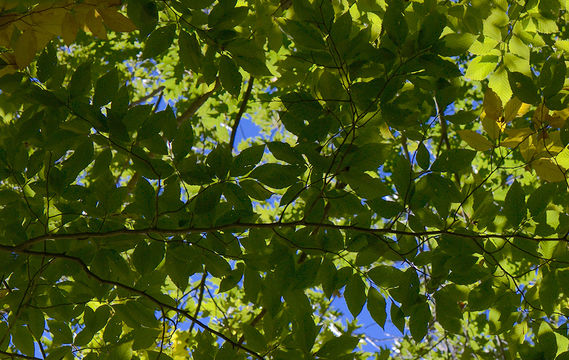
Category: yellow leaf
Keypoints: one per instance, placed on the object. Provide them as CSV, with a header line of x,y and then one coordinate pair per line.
x,y
116,21
511,109
563,158
491,127
540,116
523,109
559,118
492,105
95,23
475,140
547,170
25,49
516,137
69,28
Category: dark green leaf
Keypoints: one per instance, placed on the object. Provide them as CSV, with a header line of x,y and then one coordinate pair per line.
x,y
515,204
106,88
80,81
247,160
190,51
377,306
277,176
230,76
355,294
159,41
524,88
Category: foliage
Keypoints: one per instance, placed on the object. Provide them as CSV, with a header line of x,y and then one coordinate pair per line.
x,y
412,160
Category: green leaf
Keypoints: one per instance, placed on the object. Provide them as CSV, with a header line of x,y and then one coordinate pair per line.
x,y
395,24
344,344
540,198
454,44
190,51
423,157
23,340
455,160
553,72
121,352
60,353
523,88
285,152
355,294
397,317
515,204
419,320
481,66
207,199
219,160
183,141
304,34
431,29
377,306
247,160
144,14
255,340
230,76
147,256
47,63
80,83
277,176
106,88
159,41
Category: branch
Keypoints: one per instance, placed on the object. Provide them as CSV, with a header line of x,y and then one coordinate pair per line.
x,y
146,97
17,356
241,111
197,103
142,293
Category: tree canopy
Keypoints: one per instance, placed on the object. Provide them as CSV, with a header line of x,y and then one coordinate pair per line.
x,y
409,157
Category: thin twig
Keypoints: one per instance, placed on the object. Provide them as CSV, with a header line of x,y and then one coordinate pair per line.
x,y
200,299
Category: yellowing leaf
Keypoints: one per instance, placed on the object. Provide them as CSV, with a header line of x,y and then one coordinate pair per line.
x,y
540,116
547,170
511,109
559,118
25,49
516,137
491,127
116,21
475,140
95,24
69,28
492,105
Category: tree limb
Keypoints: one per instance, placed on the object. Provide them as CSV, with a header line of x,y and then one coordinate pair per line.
x,y
241,111
197,103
